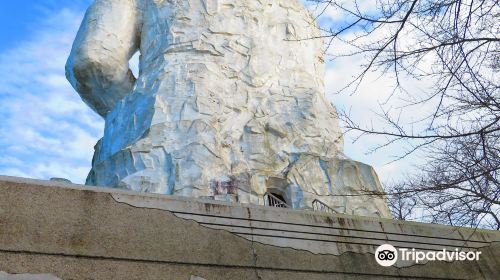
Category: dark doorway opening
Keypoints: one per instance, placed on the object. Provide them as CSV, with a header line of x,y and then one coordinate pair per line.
x,y
275,200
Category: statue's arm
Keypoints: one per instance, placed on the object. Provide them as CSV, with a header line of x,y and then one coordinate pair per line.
x,y
98,65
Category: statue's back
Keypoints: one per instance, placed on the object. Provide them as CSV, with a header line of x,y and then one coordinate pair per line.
x,y
229,102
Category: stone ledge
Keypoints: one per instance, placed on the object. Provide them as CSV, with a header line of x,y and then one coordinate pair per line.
x,y
79,232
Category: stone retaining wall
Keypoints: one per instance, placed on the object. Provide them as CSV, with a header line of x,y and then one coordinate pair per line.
x,y
52,230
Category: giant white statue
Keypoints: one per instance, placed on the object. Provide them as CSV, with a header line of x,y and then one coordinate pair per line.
x,y
229,104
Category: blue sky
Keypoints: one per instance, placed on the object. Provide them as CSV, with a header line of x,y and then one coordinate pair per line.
x,y
18,19
46,130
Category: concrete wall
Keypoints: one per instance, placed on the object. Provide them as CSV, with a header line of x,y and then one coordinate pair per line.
x,y
51,230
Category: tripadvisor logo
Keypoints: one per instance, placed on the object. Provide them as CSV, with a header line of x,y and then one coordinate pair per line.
x,y
388,255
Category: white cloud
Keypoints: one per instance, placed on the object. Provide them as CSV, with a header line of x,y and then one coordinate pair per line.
x,y
363,107
46,130
375,91
328,13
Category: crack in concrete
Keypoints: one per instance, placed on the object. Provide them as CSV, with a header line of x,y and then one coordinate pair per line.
x,y
317,271
235,235
254,253
253,241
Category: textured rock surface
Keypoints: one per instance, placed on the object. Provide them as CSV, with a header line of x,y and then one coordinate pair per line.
x,y
228,103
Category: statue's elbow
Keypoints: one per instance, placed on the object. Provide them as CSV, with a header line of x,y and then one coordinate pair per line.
x,y
70,72
80,72
100,81
80,66
99,69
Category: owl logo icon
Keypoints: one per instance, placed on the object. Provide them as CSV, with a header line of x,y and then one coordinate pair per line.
x,y
386,255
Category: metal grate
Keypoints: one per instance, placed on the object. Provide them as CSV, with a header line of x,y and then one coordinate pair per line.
x,y
321,206
274,201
